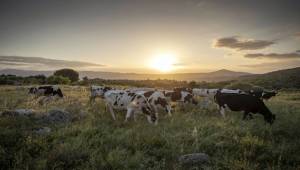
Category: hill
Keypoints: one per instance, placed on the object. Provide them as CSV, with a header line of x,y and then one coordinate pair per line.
x,y
220,75
288,78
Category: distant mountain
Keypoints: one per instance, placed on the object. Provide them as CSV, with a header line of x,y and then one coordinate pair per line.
x,y
220,75
24,73
288,78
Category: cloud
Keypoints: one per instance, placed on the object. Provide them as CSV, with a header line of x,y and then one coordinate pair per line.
x,y
298,51
297,35
42,63
278,56
274,65
240,44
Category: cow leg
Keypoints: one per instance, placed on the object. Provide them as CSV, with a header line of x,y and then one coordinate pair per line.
x,y
251,116
135,117
111,111
222,111
149,118
168,107
245,115
130,111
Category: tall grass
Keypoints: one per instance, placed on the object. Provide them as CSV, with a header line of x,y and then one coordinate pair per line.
x,y
98,142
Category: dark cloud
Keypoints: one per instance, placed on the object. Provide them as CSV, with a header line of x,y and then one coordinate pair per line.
x,y
44,62
282,56
268,66
298,51
239,44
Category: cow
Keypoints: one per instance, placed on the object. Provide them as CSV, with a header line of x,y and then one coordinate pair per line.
x,y
209,94
265,95
180,96
157,100
125,100
46,91
243,102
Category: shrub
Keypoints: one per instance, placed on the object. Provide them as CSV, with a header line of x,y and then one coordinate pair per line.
x,y
69,73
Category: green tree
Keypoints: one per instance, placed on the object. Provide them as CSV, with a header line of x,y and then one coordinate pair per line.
x,y
70,73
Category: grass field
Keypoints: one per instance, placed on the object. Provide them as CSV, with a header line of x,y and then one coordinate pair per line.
x,y
97,142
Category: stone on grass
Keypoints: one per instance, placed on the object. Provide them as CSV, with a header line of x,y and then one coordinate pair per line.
x,y
42,131
18,112
194,159
57,116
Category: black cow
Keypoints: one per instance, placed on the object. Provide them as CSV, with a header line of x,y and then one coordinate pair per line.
x,y
46,91
243,102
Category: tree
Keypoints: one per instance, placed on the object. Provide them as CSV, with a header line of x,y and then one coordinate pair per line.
x,y
69,73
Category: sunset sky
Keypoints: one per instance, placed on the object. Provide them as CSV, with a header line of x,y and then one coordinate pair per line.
x,y
150,36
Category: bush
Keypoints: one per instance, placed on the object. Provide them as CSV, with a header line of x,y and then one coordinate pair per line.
x,y
58,80
71,74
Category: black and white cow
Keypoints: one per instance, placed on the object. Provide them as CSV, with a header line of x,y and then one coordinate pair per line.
x,y
243,102
125,100
46,91
209,94
181,96
156,99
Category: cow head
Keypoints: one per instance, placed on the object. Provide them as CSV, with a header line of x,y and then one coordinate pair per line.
x,y
164,103
99,90
151,115
189,98
59,93
268,115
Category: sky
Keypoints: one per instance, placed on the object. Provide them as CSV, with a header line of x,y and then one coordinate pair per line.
x,y
150,36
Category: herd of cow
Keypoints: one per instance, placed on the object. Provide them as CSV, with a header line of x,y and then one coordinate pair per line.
x,y
150,101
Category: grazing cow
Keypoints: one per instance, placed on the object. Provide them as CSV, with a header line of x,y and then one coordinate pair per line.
x,y
263,94
124,100
243,102
209,94
181,96
46,91
157,100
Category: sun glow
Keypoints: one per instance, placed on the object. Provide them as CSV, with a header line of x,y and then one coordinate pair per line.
x,y
163,62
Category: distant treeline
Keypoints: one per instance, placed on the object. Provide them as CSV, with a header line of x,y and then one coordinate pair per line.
x,y
283,79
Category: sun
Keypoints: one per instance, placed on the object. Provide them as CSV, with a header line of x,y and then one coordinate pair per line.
x,y
163,62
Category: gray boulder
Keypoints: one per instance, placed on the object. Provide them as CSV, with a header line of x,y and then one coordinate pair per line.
x,y
18,112
194,159
42,131
57,116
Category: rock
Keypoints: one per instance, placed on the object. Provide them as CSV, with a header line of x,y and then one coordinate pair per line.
x,y
194,159
43,131
18,112
57,116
